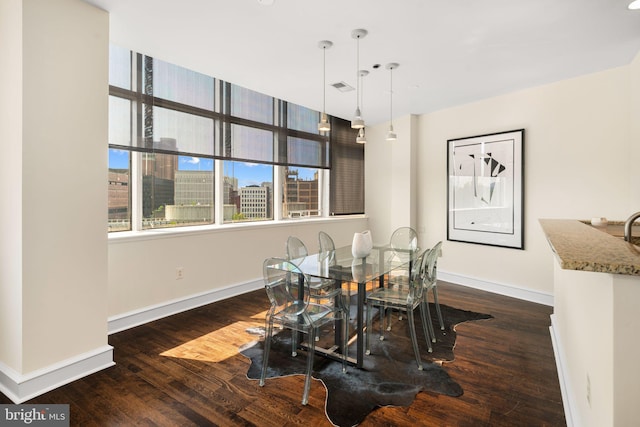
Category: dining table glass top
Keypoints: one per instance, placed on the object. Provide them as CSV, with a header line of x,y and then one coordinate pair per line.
x,y
340,264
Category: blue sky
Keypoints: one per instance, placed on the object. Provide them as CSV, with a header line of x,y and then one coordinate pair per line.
x,y
247,173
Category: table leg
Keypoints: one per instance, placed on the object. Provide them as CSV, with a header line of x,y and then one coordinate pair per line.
x,y
362,292
338,330
301,290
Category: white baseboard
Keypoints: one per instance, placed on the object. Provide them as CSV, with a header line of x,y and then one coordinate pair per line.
x,y
567,394
20,388
139,317
497,288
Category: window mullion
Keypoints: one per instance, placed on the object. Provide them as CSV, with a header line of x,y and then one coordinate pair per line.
x,y
136,191
218,179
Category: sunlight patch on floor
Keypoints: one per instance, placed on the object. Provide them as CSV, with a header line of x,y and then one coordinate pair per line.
x,y
218,345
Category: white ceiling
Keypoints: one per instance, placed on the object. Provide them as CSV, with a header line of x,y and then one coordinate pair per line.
x,y
450,51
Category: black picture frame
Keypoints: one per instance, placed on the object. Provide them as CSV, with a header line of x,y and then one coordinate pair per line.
x,y
485,189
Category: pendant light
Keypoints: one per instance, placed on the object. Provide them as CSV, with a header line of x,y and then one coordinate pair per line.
x,y
391,135
634,5
361,138
324,125
358,122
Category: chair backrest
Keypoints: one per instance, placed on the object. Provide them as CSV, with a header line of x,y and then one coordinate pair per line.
x,y
282,284
296,248
325,242
327,248
404,238
418,268
431,273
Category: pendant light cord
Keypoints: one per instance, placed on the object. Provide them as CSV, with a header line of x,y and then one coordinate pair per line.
x,y
358,72
361,87
324,78
391,97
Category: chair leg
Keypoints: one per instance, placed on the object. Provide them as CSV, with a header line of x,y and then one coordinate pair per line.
x,y
383,314
414,338
387,317
310,353
345,341
294,343
367,337
425,327
265,355
435,300
425,303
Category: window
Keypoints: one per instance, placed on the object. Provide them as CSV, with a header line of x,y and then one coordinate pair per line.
x,y
247,104
248,191
119,191
301,192
170,128
176,190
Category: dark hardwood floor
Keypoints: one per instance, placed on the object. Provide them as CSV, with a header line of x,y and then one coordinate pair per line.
x,y
185,370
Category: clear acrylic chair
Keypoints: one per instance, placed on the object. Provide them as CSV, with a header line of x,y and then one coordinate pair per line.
x,y
405,298
325,242
404,243
321,290
404,239
295,249
430,283
291,308
327,254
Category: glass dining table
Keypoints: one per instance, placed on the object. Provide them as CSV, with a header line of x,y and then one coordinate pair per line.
x,y
342,267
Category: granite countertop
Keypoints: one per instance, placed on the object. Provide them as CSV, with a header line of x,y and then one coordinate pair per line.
x,y
581,246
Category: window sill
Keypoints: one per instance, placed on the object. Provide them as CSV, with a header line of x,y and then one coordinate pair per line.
x,y
169,233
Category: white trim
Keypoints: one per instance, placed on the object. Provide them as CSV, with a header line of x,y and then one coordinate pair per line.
x,y
20,388
497,288
139,317
117,237
561,362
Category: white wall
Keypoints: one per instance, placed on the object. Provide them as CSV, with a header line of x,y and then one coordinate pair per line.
x,y
583,323
11,183
55,214
142,268
634,148
64,171
390,178
594,323
577,165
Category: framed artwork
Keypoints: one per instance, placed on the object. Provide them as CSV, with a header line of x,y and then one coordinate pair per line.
x,y
485,189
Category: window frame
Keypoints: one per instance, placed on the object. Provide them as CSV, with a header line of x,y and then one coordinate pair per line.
x,y
222,120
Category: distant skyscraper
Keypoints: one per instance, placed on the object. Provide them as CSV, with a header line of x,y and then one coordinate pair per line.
x,y
158,178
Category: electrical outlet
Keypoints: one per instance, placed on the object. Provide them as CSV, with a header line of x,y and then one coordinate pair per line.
x,y
588,390
179,273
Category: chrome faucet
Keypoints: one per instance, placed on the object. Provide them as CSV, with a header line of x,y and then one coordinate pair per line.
x,y
627,226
